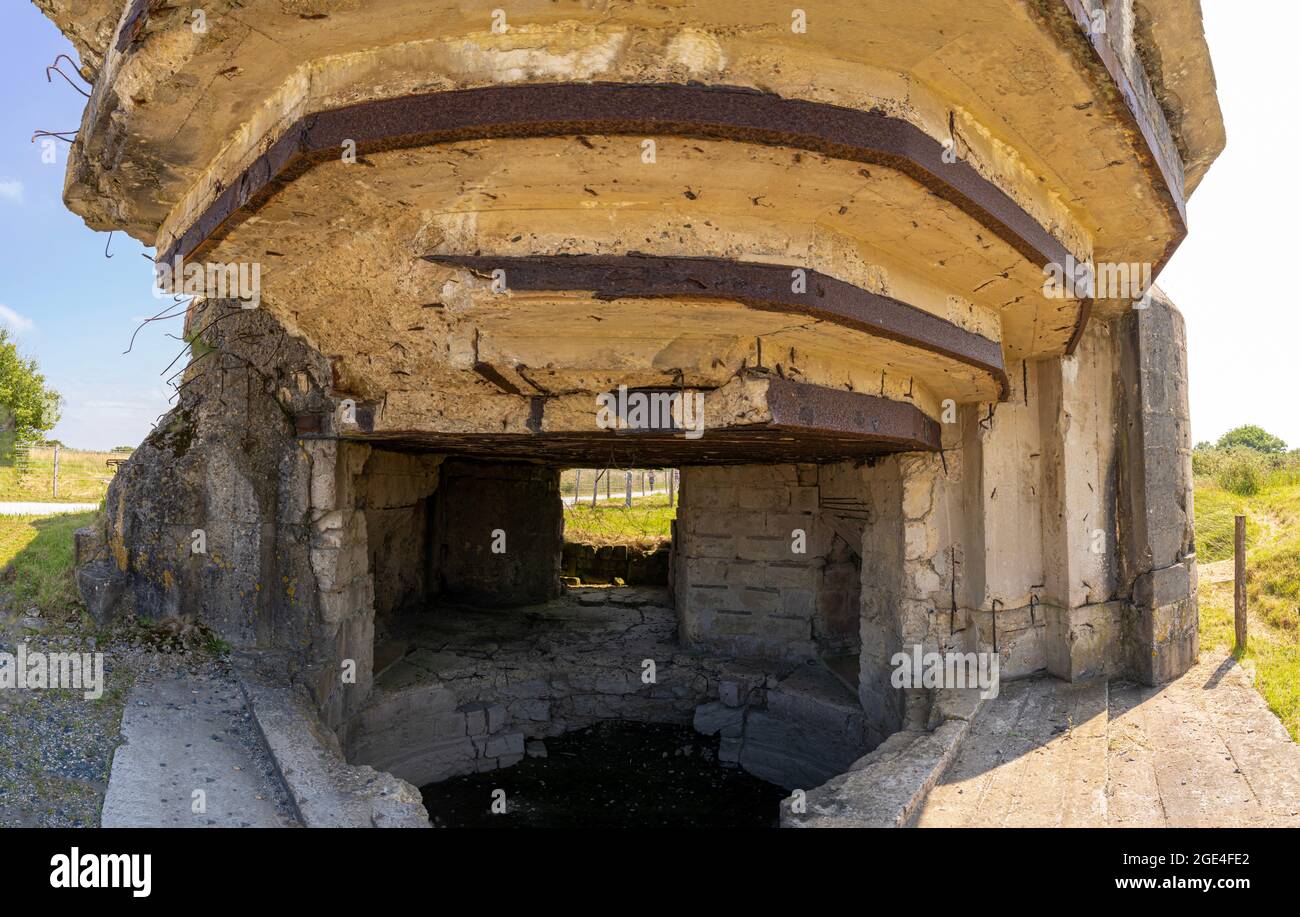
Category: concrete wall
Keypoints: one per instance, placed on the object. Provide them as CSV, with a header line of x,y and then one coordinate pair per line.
x,y
498,532
396,494
1157,553
749,554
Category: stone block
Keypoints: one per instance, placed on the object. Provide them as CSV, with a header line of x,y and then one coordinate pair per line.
x,y
507,743
1162,587
713,717
101,586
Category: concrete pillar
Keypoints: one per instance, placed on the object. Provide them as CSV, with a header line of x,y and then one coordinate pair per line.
x,y
1157,553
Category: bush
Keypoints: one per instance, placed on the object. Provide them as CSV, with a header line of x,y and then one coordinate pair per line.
x,y
1240,473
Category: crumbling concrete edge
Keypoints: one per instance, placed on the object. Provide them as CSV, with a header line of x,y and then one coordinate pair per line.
x,y
324,790
884,788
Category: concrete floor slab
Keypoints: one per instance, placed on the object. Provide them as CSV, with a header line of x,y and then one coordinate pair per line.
x,y
1202,751
190,745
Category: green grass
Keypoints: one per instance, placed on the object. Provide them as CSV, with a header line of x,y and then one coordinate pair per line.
x,y
647,522
36,555
1272,581
83,477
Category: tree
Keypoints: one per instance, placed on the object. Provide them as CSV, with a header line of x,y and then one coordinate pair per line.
x,y
28,409
1251,437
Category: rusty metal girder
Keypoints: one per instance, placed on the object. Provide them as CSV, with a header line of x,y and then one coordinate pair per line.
x,y
564,109
768,287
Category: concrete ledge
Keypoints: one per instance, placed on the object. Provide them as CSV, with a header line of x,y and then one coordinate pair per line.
x,y
326,791
884,788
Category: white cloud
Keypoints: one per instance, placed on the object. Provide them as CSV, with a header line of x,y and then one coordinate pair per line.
x,y
19,323
11,188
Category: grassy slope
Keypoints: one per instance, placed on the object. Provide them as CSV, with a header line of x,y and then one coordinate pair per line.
x,y
1272,586
36,557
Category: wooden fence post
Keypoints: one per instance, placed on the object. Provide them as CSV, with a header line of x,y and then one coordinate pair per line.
x,y
1239,580
56,469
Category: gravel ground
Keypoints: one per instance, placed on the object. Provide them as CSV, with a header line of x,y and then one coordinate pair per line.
x,y
56,747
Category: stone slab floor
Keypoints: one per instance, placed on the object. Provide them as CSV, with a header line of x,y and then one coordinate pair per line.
x,y
1202,751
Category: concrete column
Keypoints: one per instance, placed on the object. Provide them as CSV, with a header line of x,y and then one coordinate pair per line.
x,y
1157,553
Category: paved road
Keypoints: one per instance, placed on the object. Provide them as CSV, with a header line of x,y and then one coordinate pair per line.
x,y
44,509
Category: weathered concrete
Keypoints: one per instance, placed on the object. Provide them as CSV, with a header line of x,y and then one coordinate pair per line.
x,y
975,463
1201,751
192,758
466,689
326,792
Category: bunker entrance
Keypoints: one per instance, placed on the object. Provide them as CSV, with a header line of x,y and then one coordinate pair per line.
x,y
735,612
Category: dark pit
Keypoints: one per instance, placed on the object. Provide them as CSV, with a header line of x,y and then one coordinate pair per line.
x,y
611,775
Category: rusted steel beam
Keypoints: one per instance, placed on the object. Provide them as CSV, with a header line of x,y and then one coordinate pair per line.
x,y
769,287
799,406
564,109
809,423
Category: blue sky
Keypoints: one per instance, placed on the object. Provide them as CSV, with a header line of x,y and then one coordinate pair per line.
x,y
68,306
74,311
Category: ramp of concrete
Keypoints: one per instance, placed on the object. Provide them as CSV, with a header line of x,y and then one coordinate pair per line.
x,y
1201,751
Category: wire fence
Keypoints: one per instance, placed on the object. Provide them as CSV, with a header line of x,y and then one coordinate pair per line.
x,y
614,486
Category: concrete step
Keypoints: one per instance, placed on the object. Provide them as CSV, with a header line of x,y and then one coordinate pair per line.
x,y
192,758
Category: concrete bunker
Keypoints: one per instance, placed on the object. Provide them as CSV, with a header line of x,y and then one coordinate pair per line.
x,y
907,440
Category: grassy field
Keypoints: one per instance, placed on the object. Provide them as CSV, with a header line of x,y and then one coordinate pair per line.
x,y
83,477
36,560
1271,504
647,522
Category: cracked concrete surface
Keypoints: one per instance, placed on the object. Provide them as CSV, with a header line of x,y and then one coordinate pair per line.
x,y
192,759
461,689
1202,751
